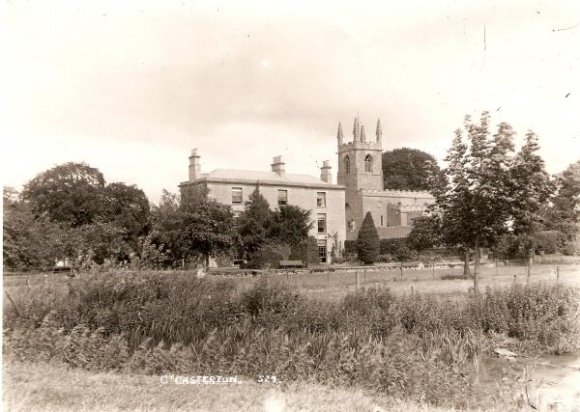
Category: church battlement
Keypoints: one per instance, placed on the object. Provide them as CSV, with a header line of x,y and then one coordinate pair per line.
x,y
405,192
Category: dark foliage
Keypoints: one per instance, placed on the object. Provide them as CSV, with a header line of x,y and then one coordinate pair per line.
x,y
409,169
367,243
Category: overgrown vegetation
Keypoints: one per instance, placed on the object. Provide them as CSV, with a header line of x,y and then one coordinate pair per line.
x,y
410,346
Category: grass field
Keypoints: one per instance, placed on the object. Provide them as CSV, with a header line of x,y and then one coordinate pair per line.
x,y
43,386
335,285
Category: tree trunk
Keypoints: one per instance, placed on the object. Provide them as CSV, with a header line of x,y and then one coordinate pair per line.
x,y
466,271
476,266
207,261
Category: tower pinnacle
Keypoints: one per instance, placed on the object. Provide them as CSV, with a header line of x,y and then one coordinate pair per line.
x,y
363,137
379,130
339,135
356,129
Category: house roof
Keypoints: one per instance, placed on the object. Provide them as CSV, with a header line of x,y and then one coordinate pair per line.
x,y
273,178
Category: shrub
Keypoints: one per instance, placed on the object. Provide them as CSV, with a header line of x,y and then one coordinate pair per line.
x,y
367,244
350,250
398,249
270,256
385,258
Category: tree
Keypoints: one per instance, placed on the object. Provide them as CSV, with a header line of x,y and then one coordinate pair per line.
x,y
563,214
70,193
196,227
425,233
408,169
483,197
368,244
255,224
290,225
127,208
33,243
530,189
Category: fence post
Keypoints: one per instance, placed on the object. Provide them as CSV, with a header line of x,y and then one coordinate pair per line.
x,y
557,272
515,279
365,276
401,268
287,275
357,280
433,269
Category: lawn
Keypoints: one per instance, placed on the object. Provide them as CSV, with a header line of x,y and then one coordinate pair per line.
x,y
44,386
335,285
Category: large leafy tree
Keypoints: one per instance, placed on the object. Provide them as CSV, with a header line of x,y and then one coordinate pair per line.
x,y
489,190
71,193
368,243
127,208
530,189
89,220
197,227
409,169
33,243
563,214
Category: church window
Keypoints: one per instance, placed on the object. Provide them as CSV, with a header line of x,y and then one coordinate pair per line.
x,y
282,197
347,165
368,164
236,195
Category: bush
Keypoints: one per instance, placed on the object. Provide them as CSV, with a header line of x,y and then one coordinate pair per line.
x,y
367,244
349,249
385,258
270,256
398,249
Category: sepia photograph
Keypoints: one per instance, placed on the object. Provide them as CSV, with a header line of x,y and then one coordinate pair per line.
x,y
272,206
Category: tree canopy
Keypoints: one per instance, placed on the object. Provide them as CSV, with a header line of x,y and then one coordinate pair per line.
x,y
71,193
408,169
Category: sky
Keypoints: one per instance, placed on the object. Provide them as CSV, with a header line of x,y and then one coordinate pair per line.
x,y
131,87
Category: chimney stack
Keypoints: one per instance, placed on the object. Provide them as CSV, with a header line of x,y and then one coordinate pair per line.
x,y
278,166
194,166
325,174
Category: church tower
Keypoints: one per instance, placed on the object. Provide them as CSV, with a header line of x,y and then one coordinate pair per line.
x,y
360,162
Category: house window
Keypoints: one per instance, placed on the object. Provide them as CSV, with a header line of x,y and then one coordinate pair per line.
x,y
322,223
321,199
236,195
347,165
282,197
322,250
368,163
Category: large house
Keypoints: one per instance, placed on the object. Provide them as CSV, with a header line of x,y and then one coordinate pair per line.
x,y
337,209
324,199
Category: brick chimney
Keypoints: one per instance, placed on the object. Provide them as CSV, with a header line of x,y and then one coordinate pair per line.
x,y
325,174
278,166
194,166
